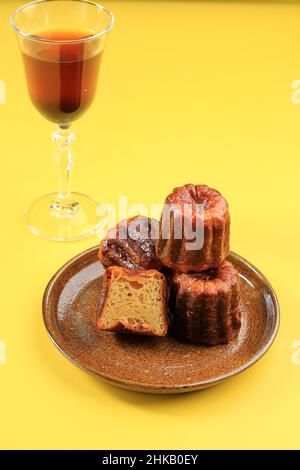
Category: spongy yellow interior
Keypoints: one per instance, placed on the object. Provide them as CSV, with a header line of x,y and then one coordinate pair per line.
x,y
134,300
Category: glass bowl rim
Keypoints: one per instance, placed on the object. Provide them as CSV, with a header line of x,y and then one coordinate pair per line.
x,y
37,38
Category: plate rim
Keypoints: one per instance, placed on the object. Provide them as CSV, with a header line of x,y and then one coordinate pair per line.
x,y
180,388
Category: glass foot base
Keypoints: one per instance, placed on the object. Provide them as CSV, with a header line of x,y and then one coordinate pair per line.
x,y
49,218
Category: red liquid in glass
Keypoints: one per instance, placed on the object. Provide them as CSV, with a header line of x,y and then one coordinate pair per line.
x,y
62,77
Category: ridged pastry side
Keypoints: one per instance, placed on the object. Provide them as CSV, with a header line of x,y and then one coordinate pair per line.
x,y
174,252
205,306
131,244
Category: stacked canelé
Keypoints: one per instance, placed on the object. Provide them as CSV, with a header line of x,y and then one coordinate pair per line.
x,y
182,258
204,287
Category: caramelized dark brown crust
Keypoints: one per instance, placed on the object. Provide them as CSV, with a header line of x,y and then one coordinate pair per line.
x,y
128,326
131,244
172,252
205,306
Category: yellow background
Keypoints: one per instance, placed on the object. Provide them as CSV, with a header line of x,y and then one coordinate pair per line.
x,y
189,92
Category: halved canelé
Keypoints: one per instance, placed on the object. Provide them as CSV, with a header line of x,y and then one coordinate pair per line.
x,y
205,307
133,301
209,228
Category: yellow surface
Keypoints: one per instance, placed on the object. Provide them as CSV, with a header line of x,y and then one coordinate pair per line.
x,y
189,92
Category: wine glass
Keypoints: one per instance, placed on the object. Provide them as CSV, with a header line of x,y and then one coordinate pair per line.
x,y
62,43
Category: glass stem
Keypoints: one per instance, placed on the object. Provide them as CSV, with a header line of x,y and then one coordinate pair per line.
x,y
63,206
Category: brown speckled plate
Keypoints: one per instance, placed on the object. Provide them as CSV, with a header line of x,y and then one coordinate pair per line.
x,y
148,364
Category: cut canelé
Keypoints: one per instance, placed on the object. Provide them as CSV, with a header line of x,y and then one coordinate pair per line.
x,y
133,301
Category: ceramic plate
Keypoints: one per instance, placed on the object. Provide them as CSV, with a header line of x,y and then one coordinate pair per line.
x,y
149,364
